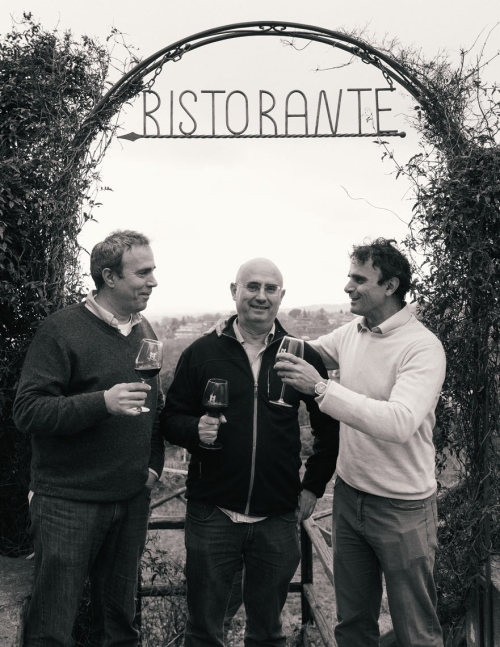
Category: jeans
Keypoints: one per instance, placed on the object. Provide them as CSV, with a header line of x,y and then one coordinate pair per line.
x,y
216,549
76,539
371,535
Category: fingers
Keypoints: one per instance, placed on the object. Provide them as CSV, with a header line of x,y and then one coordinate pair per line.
x,y
307,503
137,386
288,357
124,399
305,513
209,420
208,427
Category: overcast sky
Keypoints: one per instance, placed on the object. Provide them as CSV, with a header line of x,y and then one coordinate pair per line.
x,y
209,205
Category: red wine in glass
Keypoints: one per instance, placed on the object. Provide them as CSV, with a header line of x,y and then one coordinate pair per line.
x,y
215,400
145,373
148,362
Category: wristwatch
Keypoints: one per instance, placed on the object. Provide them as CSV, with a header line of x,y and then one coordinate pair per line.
x,y
320,388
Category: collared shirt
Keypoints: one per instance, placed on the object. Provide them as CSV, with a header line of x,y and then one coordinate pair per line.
x,y
108,317
254,352
400,318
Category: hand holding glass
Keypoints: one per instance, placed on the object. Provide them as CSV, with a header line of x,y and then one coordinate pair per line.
x,y
148,362
215,400
294,347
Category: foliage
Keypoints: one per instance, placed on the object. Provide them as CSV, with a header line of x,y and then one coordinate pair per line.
x,y
454,229
49,83
163,618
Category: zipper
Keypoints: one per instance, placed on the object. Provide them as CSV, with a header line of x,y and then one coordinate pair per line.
x,y
254,421
254,445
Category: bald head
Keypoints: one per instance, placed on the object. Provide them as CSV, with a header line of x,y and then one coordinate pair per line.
x,y
261,265
257,293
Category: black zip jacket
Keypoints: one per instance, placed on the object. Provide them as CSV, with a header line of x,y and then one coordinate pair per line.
x,y
257,470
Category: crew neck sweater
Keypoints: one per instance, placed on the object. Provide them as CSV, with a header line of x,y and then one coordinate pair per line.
x,y
390,381
79,450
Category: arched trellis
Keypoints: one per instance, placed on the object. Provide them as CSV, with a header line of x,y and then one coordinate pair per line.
x,y
398,69
441,127
135,80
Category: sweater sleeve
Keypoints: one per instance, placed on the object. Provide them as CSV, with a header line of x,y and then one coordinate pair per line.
x,y
326,346
180,416
320,466
413,396
42,405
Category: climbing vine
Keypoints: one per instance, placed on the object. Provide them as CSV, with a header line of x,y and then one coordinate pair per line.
x,y
454,234
49,83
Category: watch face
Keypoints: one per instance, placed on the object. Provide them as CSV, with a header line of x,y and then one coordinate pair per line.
x,y
320,388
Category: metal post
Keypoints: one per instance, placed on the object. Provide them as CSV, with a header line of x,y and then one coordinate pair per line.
x,y
306,573
138,606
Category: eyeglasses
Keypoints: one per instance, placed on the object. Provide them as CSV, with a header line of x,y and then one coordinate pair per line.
x,y
254,287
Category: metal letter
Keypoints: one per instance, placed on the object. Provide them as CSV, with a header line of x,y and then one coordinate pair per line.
x,y
213,93
237,132
265,113
304,114
148,113
184,132
378,110
322,96
359,91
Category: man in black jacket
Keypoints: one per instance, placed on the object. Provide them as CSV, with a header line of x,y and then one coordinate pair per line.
x,y
244,500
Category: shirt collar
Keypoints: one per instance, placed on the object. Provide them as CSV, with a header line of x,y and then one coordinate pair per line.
x,y
105,315
239,336
396,321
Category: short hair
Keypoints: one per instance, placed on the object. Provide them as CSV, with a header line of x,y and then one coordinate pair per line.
x,y
109,253
390,261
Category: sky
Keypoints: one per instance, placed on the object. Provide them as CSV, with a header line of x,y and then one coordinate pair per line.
x,y
209,205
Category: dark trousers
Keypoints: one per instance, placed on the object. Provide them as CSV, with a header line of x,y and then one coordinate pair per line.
x,y
216,550
374,535
74,539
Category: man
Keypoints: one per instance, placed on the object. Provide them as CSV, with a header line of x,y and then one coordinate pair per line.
x,y
391,372
242,499
95,456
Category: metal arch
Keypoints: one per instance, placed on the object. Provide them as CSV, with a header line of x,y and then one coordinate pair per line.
x,y
391,69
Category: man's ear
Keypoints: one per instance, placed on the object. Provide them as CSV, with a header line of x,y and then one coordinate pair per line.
x,y
108,277
234,287
282,295
391,286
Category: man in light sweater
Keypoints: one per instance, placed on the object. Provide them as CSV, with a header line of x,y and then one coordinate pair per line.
x,y
95,456
391,369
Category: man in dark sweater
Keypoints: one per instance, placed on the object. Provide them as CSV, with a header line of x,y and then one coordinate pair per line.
x,y
244,500
95,456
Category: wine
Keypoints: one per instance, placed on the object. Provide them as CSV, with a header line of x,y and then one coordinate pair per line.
x,y
214,409
148,362
215,400
147,372
295,347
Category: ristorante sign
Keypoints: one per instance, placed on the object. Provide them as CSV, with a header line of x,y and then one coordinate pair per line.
x,y
264,114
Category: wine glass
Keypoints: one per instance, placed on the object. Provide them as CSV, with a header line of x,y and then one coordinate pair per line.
x,y
148,362
215,400
295,347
